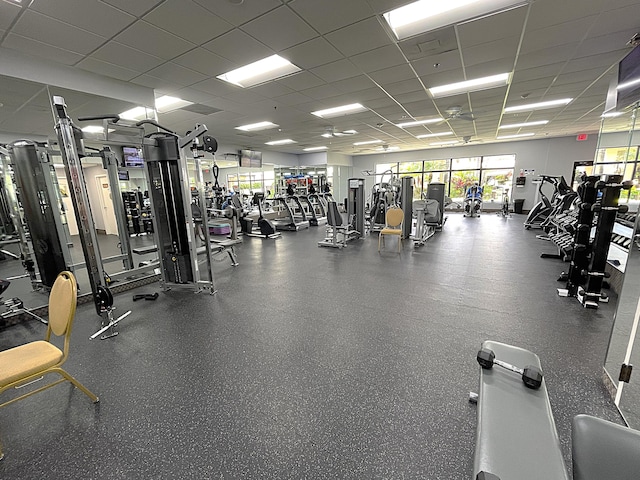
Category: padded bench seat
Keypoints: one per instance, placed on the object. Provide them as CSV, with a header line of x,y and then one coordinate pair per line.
x,y
516,437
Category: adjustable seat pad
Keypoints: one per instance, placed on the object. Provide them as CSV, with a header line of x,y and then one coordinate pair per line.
x,y
516,437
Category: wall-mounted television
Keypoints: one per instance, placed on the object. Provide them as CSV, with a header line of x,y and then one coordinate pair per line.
x,y
123,175
628,89
250,159
133,157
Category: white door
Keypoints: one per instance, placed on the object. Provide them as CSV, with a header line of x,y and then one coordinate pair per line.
x,y
108,213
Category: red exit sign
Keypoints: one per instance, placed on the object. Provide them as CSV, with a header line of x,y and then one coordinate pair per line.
x,y
582,137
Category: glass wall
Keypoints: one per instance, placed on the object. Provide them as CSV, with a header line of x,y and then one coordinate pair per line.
x,y
620,161
493,172
250,182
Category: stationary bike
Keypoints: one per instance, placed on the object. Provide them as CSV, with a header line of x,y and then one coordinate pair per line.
x,y
473,201
504,211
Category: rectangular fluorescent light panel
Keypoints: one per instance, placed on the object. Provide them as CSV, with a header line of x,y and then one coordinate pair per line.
x,y
539,106
426,15
492,81
339,111
93,129
525,124
431,135
259,72
368,142
136,113
166,103
254,127
286,141
519,135
448,142
611,114
314,149
418,122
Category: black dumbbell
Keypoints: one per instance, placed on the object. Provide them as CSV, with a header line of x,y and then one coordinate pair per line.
x,y
531,376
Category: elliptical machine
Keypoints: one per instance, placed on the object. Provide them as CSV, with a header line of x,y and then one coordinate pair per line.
x,y
541,210
473,201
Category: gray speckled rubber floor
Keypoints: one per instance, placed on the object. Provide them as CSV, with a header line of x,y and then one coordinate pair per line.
x,y
312,363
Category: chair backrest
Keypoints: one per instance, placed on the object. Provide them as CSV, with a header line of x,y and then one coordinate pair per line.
x,y
394,217
62,305
333,215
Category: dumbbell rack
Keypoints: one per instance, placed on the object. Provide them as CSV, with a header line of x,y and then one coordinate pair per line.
x,y
563,226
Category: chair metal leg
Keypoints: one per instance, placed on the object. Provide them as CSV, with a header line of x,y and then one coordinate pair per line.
x,y
80,386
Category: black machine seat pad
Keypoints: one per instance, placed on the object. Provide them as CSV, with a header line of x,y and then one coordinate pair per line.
x,y
602,449
516,437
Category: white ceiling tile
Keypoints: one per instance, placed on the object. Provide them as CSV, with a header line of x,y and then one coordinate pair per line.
x,y
177,74
8,13
603,61
410,97
546,56
360,37
53,32
336,71
311,54
40,50
551,12
153,40
616,20
321,92
301,81
107,69
524,74
383,57
436,64
392,74
330,15
500,50
157,83
239,14
558,34
292,32
205,62
410,85
354,84
137,8
127,57
238,47
271,90
292,99
78,13
492,28
192,21
195,96
612,43
216,87
503,65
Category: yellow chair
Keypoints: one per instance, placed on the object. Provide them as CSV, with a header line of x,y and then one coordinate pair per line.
x,y
394,219
28,363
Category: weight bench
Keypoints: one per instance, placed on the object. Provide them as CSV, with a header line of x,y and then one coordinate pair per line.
x,y
516,437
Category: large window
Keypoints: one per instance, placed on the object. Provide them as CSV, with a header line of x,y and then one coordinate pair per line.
x,y
494,173
620,161
248,183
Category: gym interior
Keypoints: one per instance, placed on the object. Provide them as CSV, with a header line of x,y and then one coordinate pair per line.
x,y
405,249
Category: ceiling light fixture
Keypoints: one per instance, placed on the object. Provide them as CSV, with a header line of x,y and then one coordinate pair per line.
x,y
448,142
431,135
426,15
525,124
136,113
339,111
519,135
254,127
261,71
419,122
314,149
484,83
93,129
611,114
539,106
166,103
368,142
286,141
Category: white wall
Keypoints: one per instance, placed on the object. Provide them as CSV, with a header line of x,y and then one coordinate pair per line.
x,y
550,156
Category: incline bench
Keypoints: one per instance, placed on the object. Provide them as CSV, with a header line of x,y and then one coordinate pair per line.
x,y
516,437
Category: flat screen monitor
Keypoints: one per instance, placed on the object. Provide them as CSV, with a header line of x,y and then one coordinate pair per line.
x,y
123,175
250,159
133,157
628,90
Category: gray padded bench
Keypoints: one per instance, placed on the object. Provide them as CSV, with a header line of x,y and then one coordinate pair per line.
x,y
516,438
604,450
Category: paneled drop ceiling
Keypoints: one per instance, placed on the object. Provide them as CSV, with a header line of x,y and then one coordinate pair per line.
x,y
555,49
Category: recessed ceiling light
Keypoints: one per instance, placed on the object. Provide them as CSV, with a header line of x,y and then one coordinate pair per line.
x,y
313,149
166,103
492,81
431,135
418,122
286,141
611,114
261,71
338,111
525,124
136,113
539,106
519,135
448,142
254,127
93,129
427,15
368,142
